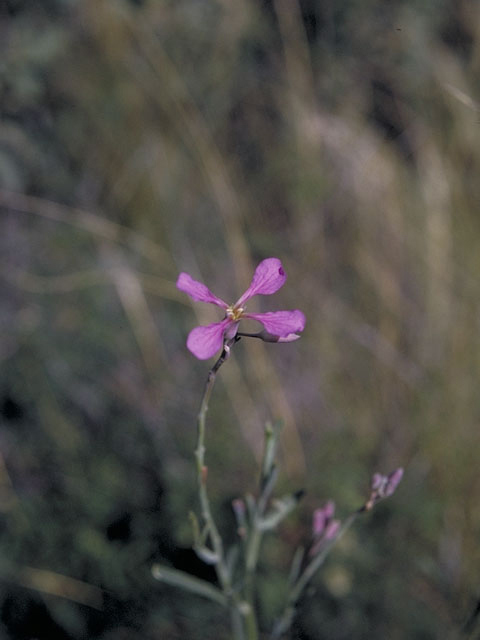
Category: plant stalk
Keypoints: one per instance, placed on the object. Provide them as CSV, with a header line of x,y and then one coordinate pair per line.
x,y
242,614
285,622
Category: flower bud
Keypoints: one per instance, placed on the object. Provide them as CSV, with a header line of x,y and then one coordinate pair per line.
x,y
324,527
393,481
332,529
383,486
268,337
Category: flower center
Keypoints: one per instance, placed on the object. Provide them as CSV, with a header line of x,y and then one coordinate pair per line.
x,y
234,313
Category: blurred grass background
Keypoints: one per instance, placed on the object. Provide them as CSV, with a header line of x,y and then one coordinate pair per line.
x,y
139,139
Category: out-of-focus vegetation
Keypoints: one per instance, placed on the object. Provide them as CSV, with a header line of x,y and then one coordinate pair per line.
x,y
138,139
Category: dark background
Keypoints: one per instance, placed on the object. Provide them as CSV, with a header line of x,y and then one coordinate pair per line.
x,y
140,139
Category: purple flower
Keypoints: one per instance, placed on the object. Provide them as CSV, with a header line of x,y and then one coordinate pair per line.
x,y
324,527
321,518
383,486
280,326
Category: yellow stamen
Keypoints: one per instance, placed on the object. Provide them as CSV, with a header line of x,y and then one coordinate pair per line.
x,y
234,313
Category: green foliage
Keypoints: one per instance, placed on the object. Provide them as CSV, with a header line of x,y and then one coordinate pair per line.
x,y
202,136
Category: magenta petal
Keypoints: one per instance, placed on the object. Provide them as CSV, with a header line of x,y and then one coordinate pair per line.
x,y
280,323
198,291
269,276
205,342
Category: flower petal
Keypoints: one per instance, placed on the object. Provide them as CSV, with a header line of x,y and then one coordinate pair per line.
x,y
269,276
198,291
205,342
280,323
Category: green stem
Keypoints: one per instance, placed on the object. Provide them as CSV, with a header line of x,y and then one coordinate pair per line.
x,y
215,538
236,619
190,583
250,621
267,481
242,615
285,622
251,560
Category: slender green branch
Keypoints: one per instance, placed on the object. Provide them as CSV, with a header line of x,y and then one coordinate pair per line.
x,y
190,583
285,622
319,559
251,559
215,538
242,614
237,623
267,482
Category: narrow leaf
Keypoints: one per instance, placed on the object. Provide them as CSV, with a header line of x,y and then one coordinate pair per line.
x,y
280,509
187,582
296,565
207,555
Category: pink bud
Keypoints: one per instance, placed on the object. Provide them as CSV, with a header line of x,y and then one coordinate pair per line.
x,y
393,481
324,527
332,529
318,525
383,486
291,337
329,509
377,481
322,518
269,337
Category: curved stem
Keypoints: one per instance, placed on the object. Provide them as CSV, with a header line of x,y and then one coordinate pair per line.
x,y
202,471
242,615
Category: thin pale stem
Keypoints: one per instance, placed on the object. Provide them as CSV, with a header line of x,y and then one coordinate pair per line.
x,y
202,471
236,620
285,622
267,482
253,549
242,614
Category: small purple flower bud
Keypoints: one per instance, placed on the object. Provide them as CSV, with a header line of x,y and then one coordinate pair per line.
x,y
322,517
318,525
393,481
268,337
377,481
329,509
332,529
324,527
383,486
291,337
